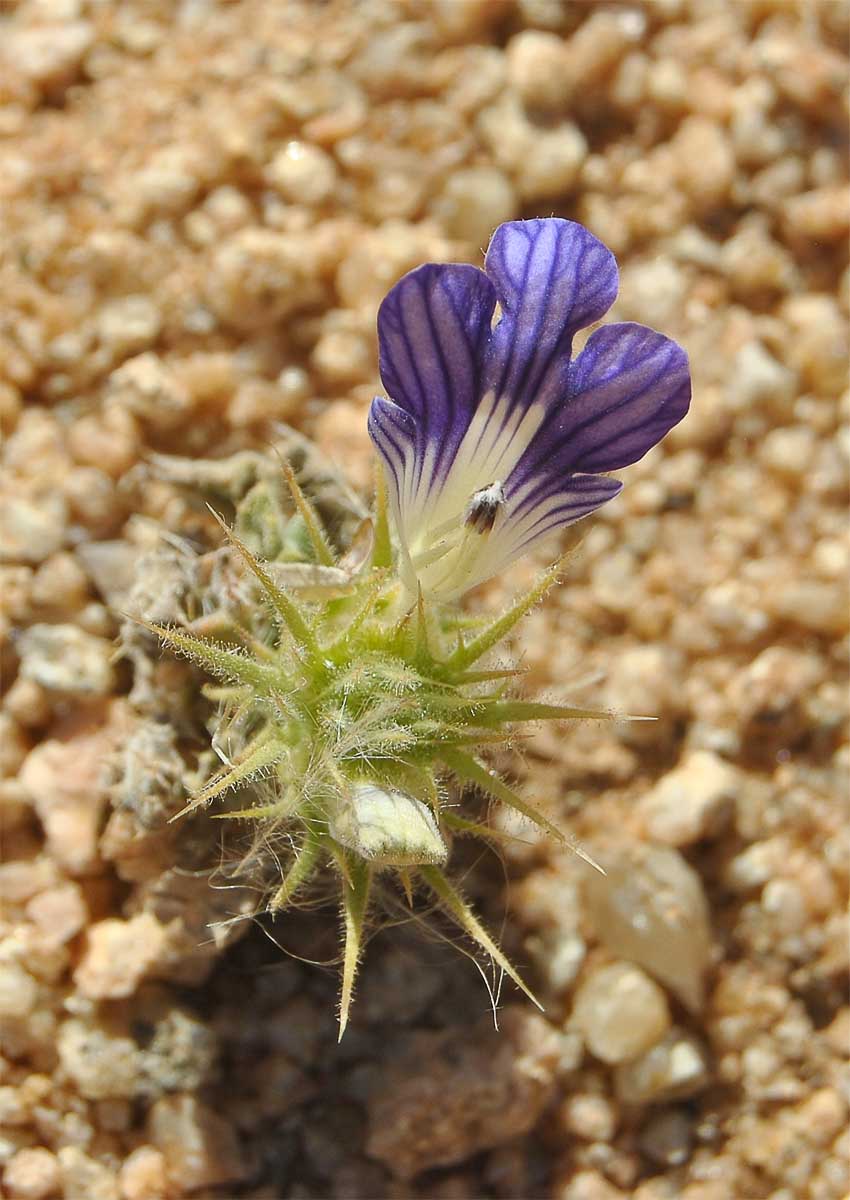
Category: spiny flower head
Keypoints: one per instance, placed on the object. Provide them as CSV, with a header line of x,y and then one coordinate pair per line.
x,y
350,689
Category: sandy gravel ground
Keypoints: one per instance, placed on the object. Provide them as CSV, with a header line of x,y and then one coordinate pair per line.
x,y
201,205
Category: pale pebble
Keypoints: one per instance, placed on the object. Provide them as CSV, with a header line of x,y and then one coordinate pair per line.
x,y
18,991
228,208
118,955
538,71
667,83
342,357
63,658
64,775
586,1185
33,527
621,1012
303,173
106,441
756,864
770,696
601,40
128,325
542,14
706,160
92,499
60,583
674,1068
591,1116
473,202
814,605
754,263
652,291
378,257
143,1175
757,377
199,1146
650,908
822,214
259,276
543,163
691,802
647,681
60,912
147,386
817,342
32,1174
164,186
84,1178
259,400
16,585
789,451
49,55
21,879
101,1065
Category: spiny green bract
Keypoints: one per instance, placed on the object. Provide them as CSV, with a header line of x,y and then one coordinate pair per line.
x,y
351,705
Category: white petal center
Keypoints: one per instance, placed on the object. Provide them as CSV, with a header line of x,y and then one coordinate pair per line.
x,y
452,531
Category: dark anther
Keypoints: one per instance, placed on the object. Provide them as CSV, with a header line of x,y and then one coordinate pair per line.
x,y
483,508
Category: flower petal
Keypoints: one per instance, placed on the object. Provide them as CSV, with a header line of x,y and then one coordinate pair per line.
x,y
432,330
559,501
552,278
627,389
394,433
498,412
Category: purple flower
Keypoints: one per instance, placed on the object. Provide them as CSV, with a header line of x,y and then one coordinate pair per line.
x,y
494,436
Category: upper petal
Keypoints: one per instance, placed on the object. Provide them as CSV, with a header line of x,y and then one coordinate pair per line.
x,y
552,278
629,387
626,390
432,329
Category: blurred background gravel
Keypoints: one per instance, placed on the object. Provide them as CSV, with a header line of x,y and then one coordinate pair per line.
x,y
201,205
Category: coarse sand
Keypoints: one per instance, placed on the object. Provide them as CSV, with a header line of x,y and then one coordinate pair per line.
x,y
201,205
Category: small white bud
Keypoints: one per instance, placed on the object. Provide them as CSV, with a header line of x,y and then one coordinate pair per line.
x,y
388,827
